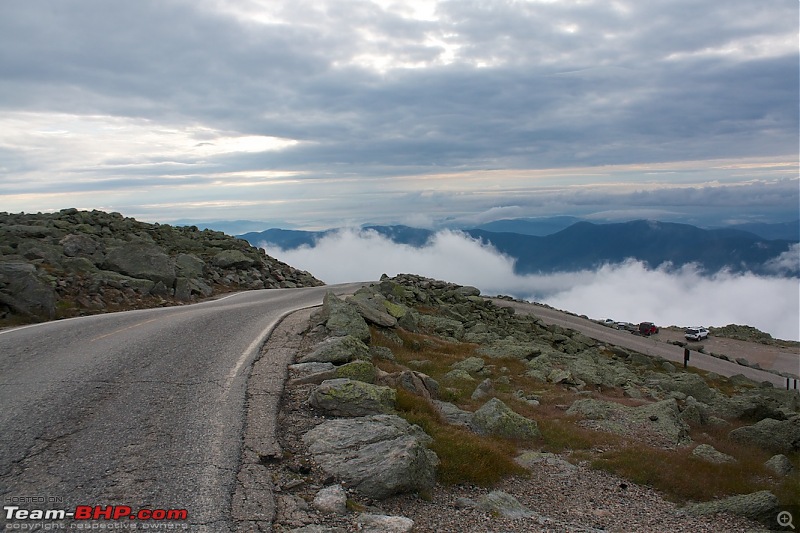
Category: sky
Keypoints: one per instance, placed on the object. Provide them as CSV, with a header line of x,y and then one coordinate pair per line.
x,y
315,114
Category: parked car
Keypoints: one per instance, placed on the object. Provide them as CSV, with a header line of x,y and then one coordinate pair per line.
x,y
696,334
647,329
626,326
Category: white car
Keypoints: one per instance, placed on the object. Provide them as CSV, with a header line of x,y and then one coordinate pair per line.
x,y
696,334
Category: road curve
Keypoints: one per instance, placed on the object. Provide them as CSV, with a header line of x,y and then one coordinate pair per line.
x,y
646,345
141,408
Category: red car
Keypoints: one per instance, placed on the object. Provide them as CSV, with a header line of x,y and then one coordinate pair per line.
x,y
647,329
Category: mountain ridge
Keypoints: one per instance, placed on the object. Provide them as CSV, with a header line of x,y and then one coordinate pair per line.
x,y
586,245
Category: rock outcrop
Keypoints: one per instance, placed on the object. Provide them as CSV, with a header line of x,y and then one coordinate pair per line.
x,y
778,436
658,423
376,455
74,262
348,397
496,418
760,506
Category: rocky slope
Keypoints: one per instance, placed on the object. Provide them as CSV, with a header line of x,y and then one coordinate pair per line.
x,y
77,262
418,403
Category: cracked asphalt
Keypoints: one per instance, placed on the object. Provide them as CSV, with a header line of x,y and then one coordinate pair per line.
x,y
142,408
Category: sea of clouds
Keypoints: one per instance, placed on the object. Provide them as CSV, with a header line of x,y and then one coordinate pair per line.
x,y
628,291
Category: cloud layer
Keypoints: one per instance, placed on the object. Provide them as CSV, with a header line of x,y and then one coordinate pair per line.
x,y
625,292
167,108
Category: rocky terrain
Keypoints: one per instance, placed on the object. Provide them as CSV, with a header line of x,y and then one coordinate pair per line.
x,y
418,405
75,262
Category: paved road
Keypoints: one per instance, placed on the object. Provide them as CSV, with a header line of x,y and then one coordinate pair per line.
x,y
143,408
646,345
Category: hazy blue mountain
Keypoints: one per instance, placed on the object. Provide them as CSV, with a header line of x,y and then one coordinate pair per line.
x,y
789,231
585,245
232,227
403,234
530,226
286,239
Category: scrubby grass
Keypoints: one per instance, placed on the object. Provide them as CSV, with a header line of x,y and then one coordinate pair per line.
x,y
679,475
469,458
465,457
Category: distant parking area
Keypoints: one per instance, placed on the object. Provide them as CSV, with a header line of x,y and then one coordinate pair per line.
x,y
768,357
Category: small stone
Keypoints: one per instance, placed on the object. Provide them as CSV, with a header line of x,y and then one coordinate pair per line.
x,y
374,523
331,499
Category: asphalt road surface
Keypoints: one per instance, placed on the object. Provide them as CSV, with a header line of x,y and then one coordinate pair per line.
x,y
647,345
142,409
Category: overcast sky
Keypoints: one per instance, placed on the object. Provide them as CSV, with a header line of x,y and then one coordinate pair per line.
x,y
320,114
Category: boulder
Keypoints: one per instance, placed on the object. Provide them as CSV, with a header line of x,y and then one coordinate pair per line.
x,y
373,311
780,464
496,418
232,259
470,364
337,350
528,459
500,503
189,266
658,422
305,369
592,368
689,384
357,370
760,506
777,436
82,245
484,389
396,310
347,397
452,414
378,455
441,326
412,381
141,260
458,375
511,348
710,454
342,319
695,413
24,291
755,404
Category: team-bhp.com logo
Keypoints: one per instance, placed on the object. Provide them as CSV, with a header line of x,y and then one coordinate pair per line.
x,y
95,512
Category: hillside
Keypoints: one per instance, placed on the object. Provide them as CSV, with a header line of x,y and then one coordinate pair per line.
x,y
77,262
518,425
586,246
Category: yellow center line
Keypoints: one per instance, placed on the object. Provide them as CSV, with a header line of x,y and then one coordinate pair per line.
x,y
123,329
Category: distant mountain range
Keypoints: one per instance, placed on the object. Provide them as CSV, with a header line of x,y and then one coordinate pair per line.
x,y
789,231
584,245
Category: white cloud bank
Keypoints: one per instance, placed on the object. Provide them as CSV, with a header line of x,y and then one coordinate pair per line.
x,y
628,291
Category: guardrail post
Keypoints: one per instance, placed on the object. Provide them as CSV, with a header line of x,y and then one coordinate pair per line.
x,y
685,357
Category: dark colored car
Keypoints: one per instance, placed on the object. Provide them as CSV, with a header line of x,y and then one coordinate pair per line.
x,y
647,329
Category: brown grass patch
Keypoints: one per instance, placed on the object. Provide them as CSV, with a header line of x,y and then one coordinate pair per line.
x,y
465,457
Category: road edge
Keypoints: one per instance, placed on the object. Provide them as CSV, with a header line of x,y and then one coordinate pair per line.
x,y
253,505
